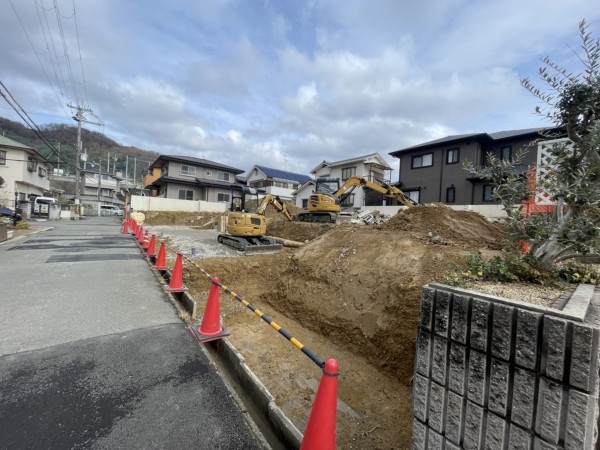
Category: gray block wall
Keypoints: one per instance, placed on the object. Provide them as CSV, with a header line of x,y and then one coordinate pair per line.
x,y
492,373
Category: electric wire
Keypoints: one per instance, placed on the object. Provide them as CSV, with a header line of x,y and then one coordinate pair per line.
x,y
38,58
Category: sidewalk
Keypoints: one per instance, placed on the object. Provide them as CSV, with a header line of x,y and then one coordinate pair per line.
x,y
93,355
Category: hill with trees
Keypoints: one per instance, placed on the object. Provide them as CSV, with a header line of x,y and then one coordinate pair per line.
x,y
95,144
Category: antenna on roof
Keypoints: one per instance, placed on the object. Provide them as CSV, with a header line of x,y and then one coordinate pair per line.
x,y
284,163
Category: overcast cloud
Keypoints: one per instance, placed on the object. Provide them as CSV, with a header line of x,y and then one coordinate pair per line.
x,y
286,84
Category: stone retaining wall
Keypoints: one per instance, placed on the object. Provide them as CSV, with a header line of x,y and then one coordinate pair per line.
x,y
499,374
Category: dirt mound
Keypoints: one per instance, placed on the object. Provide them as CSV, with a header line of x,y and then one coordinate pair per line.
x,y
200,220
360,286
297,231
445,226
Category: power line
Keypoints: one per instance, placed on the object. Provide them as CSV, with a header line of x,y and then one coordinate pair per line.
x,y
23,114
80,58
37,57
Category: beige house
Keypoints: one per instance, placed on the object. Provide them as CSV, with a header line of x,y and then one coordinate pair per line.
x,y
25,174
371,167
189,178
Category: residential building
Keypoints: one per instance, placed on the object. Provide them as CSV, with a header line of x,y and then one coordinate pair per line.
x,y
300,195
433,171
25,174
189,178
371,167
275,181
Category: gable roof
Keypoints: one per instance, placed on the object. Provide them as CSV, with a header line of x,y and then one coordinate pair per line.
x,y
481,137
195,161
282,174
6,142
371,158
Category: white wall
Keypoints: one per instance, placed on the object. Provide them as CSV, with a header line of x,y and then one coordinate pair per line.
x,y
141,203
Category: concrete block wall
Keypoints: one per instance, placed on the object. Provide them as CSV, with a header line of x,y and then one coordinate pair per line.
x,y
492,373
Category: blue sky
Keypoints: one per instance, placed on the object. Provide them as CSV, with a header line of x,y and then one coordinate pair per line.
x,y
286,84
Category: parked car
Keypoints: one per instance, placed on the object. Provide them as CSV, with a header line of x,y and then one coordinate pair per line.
x,y
110,210
7,212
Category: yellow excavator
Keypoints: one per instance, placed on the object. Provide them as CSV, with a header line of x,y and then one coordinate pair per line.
x,y
246,225
325,204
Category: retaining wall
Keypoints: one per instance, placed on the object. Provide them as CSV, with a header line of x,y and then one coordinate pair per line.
x,y
499,374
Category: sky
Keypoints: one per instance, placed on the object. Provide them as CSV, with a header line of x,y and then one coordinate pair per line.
x,y
285,84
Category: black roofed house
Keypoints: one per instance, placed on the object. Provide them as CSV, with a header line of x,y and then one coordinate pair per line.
x,y
189,178
433,171
275,181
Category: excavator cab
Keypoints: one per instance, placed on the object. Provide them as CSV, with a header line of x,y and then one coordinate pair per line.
x,y
246,225
243,218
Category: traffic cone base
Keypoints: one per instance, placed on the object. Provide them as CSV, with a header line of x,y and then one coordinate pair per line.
x,y
202,338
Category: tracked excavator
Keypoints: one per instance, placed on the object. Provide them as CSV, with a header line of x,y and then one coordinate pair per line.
x,y
325,204
246,225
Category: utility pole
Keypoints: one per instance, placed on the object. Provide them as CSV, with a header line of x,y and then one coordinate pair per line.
x,y
79,117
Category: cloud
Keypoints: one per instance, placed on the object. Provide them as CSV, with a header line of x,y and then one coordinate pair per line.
x,y
291,84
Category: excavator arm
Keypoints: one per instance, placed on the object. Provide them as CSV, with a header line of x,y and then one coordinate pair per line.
x,y
389,191
277,204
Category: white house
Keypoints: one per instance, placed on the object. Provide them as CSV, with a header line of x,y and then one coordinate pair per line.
x,y
25,173
371,167
275,181
300,195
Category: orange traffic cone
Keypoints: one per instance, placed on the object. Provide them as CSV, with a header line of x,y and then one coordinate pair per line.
x,y
211,328
140,237
176,281
161,260
151,247
320,430
146,242
125,229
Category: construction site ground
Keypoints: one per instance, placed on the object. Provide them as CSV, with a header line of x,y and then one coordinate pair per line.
x,y
351,292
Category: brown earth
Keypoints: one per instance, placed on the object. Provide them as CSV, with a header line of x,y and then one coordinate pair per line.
x,y
352,293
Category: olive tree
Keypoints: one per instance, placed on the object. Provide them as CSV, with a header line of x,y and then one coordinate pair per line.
x,y
571,101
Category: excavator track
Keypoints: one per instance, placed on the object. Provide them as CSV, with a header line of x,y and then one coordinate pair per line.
x,y
250,245
322,217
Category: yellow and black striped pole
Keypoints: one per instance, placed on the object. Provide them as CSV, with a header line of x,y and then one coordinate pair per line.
x,y
314,358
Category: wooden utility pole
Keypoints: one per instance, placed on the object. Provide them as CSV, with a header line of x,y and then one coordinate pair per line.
x,y
79,117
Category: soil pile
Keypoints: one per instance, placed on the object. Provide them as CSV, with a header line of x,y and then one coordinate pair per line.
x,y
439,224
200,220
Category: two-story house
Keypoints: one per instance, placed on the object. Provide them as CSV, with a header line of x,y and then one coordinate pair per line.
x,y
371,167
433,171
25,174
275,181
189,178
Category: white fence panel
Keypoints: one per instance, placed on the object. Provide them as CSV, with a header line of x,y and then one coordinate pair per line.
x,y
144,203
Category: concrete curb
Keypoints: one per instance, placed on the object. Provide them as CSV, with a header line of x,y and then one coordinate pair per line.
x,y
234,363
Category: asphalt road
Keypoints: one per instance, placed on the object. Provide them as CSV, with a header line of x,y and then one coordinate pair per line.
x,y
92,354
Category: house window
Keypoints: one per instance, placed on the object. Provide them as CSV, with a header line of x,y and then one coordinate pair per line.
x,y
414,195
184,194
488,193
208,173
348,201
348,172
425,160
42,172
223,176
304,203
452,156
450,194
31,164
505,153
2,158
222,197
187,170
